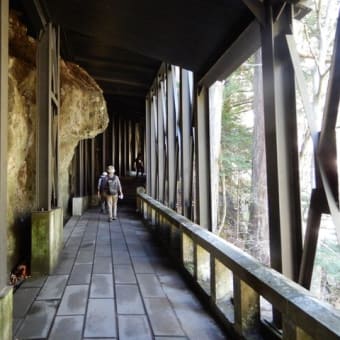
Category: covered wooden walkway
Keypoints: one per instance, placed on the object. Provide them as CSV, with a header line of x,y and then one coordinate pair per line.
x,y
112,282
156,64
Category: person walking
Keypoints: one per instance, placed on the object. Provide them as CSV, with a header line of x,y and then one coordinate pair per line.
x,y
139,165
113,191
101,192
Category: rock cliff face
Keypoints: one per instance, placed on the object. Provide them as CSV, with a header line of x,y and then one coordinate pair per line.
x,y
83,115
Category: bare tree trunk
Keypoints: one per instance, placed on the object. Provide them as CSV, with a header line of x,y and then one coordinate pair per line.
x,y
224,205
258,220
238,206
227,224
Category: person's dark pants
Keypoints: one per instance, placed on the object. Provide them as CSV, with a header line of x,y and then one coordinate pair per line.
x,y
140,170
102,202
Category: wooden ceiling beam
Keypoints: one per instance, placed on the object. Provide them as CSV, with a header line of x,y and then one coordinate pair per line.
x,y
115,64
256,7
123,92
120,81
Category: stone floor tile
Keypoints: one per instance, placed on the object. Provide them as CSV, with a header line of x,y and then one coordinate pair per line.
x,y
100,318
74,300
132,240
143,234
22,300
80,227
133,327
172,338
194,319
142,265
81,274
69,252
162,317
53,288
38,320
129,300
101,286
67,233
72,222
102,265
88,244
124,274
92,228
103,238
118,245
67,327
130,228
121,257
73,241
68,229
117,236
16,324
89,236
162,267
136,250
172,280
152,250
85,256
103,227
103,251
150,285
64,266
34,282
115,228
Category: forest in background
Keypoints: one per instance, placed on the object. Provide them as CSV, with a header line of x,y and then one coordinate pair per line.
x,y
242,196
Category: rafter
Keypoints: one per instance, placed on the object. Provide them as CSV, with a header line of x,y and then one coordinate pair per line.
x,y
114,64
256,7
120,81
123,92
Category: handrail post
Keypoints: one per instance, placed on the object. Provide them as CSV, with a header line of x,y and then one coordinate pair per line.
x,y
247,308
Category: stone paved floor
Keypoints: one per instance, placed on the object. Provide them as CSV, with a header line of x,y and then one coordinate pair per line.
x,y
111,283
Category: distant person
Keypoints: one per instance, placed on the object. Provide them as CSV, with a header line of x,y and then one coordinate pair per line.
x,y
139,165
101,192
113,191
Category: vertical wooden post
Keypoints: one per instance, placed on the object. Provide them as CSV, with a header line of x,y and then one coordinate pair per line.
x,y
114,142
281,144
147,161
203,179
160,139
92,165
104,142
247,308
3,139
47,118
186,144
171,138
6,296
153,148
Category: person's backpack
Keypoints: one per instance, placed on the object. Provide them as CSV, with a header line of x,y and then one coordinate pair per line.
x,y
112,185
102,184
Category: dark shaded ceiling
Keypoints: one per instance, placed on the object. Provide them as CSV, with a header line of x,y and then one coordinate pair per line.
x,y
122,43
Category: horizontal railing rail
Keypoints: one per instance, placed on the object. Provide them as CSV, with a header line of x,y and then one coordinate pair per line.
x,y
241,291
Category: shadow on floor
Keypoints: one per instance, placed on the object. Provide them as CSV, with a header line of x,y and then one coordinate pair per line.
x,y
112,282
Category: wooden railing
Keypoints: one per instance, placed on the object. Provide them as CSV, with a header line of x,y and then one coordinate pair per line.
x,y
239,289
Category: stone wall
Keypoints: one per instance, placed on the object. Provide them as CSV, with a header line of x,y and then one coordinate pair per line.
x,y
83,115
